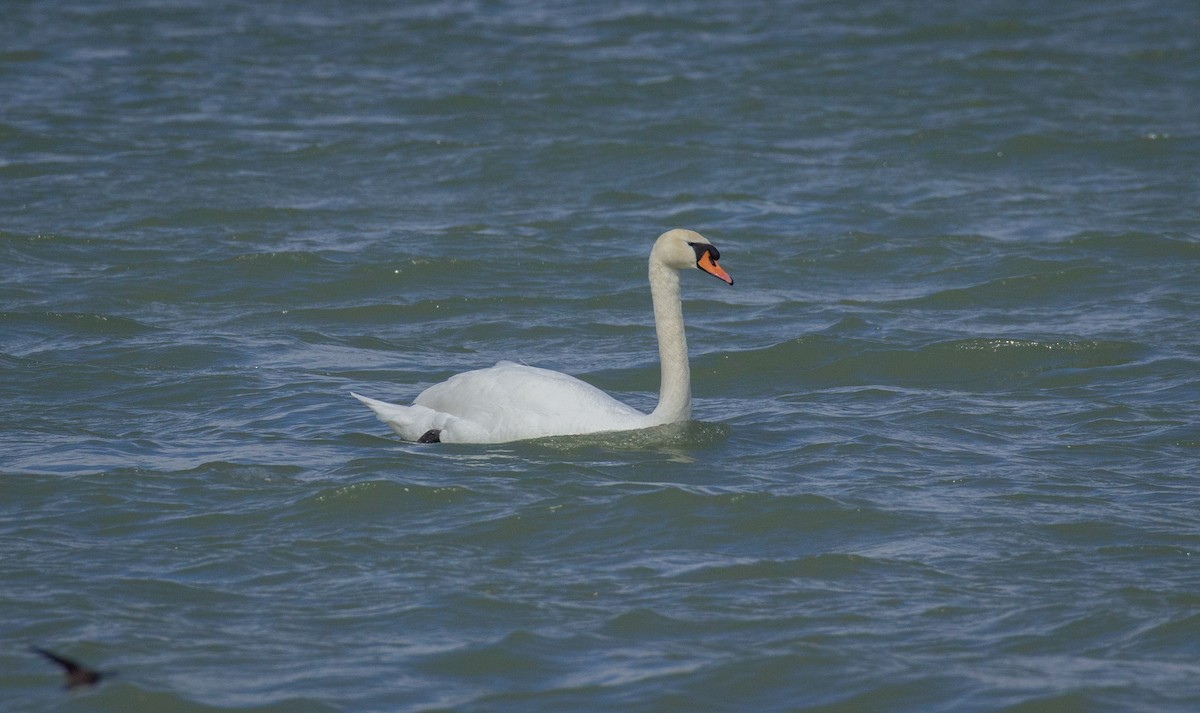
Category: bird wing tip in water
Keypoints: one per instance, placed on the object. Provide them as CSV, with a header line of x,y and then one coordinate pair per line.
x,y
77,674
66,663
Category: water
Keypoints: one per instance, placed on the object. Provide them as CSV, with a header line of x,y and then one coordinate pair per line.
x,y
947,436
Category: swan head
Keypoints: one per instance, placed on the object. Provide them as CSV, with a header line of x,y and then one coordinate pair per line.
x,y
685,249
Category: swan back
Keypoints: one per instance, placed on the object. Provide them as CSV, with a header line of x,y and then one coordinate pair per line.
x,y
513,401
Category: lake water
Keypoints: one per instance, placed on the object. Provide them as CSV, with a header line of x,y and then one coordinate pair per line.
x,y
946,454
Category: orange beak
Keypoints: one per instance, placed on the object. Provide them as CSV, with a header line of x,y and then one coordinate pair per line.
x,y
710,266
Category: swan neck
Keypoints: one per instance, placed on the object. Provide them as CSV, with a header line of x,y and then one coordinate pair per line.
x,y
675,389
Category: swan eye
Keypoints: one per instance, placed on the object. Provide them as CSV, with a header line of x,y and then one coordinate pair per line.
x,y
702,248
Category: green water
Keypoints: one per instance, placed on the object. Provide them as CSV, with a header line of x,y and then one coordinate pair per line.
x,y
946,438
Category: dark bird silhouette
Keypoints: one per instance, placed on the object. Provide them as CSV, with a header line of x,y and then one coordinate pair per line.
x,y
77,675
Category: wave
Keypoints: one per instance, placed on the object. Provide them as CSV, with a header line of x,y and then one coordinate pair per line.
x,y
982,362
691,434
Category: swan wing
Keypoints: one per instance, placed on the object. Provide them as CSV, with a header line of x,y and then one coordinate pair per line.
x,y
510,402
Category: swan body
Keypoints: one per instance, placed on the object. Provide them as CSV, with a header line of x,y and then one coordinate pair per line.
x,y
513,402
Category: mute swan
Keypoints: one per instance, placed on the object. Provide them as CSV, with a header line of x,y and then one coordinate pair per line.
x,y
513,402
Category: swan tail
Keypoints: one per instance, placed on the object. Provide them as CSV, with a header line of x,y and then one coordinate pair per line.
x,y
412,423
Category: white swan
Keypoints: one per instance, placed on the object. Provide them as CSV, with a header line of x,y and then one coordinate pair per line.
x,y
513,402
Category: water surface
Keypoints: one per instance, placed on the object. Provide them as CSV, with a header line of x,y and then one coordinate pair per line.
x,y
947,439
